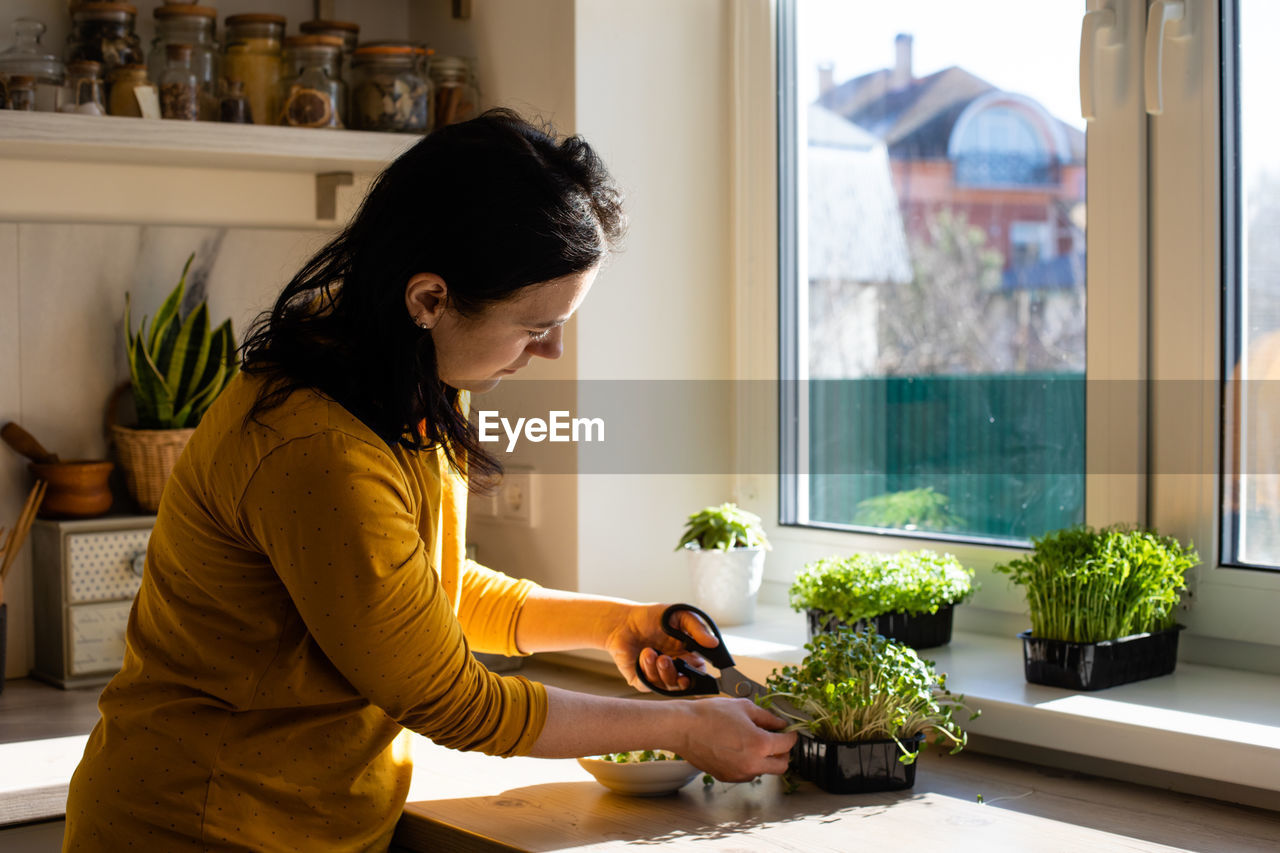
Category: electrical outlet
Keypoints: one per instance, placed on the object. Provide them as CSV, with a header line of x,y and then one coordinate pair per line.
x,y
516,498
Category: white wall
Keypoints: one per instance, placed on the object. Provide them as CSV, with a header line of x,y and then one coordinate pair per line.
x,y
62,290
653,96
523,54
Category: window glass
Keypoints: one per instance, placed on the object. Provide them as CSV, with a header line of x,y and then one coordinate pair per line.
x,y
1253,333
939,233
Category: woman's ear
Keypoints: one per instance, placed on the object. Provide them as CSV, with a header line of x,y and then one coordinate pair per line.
x,y
424,296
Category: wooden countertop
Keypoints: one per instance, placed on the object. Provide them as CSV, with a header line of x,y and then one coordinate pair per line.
x,y
498,805
473,803
967,801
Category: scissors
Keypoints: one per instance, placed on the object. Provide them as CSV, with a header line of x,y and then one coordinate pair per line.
x,y
731,682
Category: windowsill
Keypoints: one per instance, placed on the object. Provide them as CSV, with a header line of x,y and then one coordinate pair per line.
x,y
1204,730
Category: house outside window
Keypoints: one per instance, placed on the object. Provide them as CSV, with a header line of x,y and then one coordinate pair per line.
x,y
945,293
1166,414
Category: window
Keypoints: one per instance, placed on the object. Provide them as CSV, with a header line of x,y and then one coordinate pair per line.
x,y
941,271
1252,427
972,407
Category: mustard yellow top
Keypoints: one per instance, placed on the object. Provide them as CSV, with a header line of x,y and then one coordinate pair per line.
x,y
305,597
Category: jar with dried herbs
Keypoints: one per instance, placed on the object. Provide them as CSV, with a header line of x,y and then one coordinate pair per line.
x,y
252,57
179,85
454,93
182,23
312,93
104,33
29,58
389,91
20,93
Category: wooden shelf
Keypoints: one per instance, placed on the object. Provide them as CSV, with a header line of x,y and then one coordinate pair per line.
x,y
116,140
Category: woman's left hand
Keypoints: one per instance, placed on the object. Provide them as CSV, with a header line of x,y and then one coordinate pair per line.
x,y
640,635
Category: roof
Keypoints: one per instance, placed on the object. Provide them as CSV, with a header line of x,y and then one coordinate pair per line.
x,y
916,120
855,231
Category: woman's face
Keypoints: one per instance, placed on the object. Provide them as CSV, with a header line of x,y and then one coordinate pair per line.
x,y
475,353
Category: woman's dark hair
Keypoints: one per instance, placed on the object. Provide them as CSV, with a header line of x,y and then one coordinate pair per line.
x,y
492,206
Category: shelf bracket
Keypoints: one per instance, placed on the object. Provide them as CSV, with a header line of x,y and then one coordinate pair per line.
x,y
327,184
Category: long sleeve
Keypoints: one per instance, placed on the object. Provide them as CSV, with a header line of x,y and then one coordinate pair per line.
x,y
336,517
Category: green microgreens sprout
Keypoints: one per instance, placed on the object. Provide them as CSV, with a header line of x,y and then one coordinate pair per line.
x,y
859,686
863,586
1085,585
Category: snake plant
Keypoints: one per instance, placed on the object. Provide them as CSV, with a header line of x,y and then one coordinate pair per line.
x,y
180,365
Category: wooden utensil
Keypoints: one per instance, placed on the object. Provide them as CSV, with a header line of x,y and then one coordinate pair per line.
x,y
26,444
13,542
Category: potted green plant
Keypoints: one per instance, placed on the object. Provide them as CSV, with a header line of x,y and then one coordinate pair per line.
x,y
726,546
872,702
909,596
1102,605
177,367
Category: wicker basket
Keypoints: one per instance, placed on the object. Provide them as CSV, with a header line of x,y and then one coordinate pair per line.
x,y
147,457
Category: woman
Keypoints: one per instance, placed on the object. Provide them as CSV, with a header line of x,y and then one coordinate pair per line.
x,y
306,598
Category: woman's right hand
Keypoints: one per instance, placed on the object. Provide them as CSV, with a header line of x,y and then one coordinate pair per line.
x,y
735,740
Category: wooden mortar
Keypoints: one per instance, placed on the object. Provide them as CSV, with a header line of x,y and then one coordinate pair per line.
x,y
77,489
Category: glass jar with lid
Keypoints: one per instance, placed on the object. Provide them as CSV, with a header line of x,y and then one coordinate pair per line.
x,y
349,32
179,84
124,83
251,56
20,93
455,96
83,90
312,93
182,23
28,58
104,33
389,90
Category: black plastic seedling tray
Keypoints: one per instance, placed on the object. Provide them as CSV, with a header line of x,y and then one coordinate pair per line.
x,y
855,768
1095,666
922,631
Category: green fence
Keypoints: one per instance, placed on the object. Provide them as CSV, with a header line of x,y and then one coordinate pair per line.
x,y
1005,452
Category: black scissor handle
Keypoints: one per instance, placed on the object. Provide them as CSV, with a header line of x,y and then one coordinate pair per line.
x,y
717,655
700,684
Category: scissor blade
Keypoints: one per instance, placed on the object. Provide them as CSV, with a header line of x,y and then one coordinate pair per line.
x,y
734,683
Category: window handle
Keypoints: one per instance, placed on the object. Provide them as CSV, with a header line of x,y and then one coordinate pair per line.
x,y
1160,14
1097,27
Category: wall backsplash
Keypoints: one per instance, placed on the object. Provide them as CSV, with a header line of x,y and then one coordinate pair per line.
x,y
62,290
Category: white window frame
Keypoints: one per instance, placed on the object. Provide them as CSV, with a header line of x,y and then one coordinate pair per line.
x,y
1153,264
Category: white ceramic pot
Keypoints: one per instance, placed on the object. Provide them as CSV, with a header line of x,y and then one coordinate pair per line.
x,y
725,583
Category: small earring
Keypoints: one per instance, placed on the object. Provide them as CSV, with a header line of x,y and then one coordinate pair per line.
x,y
422,324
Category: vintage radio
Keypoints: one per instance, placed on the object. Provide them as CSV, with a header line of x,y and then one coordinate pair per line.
x,y
85,576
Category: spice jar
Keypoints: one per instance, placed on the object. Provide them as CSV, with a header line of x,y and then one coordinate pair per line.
x,y
83,90
389,91
182,23
28,58
234,106
252,57
179,84
350,34
21,93
454,93
104,33
312,93
125,81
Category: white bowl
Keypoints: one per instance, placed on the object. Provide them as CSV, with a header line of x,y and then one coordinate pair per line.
x,y
641,778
